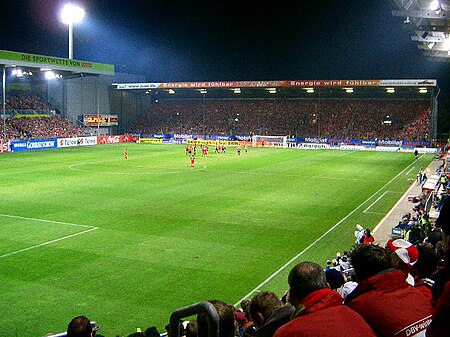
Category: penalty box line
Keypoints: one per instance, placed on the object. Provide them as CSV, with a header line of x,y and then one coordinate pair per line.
x,y
267,280
90,229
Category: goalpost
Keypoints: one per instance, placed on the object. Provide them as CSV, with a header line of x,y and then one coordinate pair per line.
x,y
269,141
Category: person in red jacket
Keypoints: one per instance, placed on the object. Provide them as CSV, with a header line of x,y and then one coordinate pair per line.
x,y
384,299
441,288
319,310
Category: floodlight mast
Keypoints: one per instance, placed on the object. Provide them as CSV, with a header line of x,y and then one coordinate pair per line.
x,y
71,14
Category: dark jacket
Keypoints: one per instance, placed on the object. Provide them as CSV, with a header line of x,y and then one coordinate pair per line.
x,y
277,319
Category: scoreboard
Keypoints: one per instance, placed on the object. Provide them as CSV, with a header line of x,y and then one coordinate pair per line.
x,y
100,120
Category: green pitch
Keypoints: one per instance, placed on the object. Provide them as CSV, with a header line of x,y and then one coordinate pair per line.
x,y
126,242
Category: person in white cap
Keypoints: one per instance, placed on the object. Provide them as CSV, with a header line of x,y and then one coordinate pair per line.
x,y
359,233
403,256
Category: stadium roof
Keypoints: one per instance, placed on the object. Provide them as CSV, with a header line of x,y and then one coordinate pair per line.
x,y
429,20
418,88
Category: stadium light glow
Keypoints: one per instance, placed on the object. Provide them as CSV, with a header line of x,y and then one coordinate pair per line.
x,y
50,75
423,90
435,5
70,15
203,91
20,73
390,90
446,43
236,90
272,90
348,90
309,90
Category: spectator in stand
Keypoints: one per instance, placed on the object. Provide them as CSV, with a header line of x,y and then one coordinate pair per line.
x,y
384,298
359,233
80,326
268,313
403,256
333,275
443,274
441,288
227,322
368,237
424,269
319,310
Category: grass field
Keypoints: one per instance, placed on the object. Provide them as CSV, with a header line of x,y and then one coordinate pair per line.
x,y
82,231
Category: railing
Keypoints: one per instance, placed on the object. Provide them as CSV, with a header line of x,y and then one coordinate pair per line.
x,y
177,315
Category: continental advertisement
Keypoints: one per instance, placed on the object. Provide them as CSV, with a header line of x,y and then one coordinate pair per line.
x,y
150,140
212,142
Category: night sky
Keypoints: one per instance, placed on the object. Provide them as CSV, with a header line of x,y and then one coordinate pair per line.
x,y
205,40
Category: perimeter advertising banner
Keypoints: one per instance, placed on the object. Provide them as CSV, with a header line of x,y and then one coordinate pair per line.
x,y
67,142
33,145
288,83
85,141
4,147
114,139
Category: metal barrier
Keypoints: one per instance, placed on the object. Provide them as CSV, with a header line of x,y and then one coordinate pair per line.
x,y
177,315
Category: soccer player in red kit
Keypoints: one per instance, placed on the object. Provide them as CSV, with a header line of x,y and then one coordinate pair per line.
x,y
192,161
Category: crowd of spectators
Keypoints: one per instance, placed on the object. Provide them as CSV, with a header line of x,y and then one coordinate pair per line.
x,y
41,128
360,119
31,117
26,100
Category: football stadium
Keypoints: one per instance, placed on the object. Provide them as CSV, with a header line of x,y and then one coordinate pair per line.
x,y
135,207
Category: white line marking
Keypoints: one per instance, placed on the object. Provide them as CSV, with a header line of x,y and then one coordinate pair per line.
x,y
412,168
373,203
46,221
48,242
267,280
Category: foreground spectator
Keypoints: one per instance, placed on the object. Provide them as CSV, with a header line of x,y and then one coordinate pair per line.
x,y
268,313
80,326
383,298
403,256
227,323
441,289
424,269
319,310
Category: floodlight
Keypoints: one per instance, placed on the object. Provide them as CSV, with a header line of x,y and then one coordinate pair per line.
x,y
348,90
50,75
390,90
446,44
435,5
71,14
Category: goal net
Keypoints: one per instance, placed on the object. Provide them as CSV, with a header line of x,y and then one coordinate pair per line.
x,y
269,141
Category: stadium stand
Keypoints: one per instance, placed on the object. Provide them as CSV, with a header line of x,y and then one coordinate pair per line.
x,y
362,119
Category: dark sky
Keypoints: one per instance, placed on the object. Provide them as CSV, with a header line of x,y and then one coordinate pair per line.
x,y
201,40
